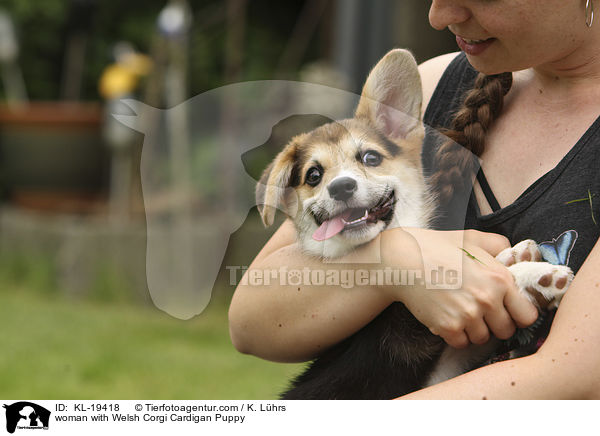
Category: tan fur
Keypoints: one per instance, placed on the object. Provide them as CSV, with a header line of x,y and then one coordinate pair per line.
x,y
393,90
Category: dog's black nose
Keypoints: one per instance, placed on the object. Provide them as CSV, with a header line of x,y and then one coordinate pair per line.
x,y
342,189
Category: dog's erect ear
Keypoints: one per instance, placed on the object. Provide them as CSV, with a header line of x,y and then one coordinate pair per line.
x,y
392,96
273,191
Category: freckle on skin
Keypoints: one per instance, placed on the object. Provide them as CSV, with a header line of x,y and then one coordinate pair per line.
x,y
279,325
566,353
512,383
484,398
553,360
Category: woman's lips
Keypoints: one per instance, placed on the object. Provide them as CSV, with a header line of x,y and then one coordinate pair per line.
x,y
473,48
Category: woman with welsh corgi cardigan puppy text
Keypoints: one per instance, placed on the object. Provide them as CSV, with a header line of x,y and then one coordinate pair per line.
x,y
537,132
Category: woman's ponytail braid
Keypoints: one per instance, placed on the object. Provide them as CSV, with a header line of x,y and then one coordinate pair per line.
x,y
481,107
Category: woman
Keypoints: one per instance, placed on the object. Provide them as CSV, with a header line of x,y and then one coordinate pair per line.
x,y
536,154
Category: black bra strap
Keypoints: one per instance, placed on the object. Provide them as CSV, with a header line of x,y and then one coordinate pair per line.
x,y
487,191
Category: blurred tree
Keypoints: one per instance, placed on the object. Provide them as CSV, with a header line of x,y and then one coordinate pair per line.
x,y
44,28
39,27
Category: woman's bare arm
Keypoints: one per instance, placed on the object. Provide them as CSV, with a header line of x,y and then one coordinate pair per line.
x,y
288,322
291,323
431,72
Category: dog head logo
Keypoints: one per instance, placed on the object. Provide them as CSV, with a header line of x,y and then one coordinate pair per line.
x,y
26,415
196,189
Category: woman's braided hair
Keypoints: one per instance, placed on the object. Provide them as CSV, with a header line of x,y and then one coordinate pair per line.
x,y
481,107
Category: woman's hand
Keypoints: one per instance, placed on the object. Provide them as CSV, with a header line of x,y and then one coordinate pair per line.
x,y
485,302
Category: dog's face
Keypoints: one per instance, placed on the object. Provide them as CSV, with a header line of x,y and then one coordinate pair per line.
x,y
345,182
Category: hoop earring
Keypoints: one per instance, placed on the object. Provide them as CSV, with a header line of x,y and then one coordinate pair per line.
x,y
589,13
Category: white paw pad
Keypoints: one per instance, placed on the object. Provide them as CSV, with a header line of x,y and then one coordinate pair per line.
x,y
524,251
543,283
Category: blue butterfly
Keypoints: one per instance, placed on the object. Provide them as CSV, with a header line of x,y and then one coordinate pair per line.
x,y
558,250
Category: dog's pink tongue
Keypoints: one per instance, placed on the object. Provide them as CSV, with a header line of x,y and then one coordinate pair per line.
x,y
331,227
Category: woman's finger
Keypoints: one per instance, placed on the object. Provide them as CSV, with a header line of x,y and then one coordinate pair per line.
x,y
457,339
521,310
490,242
500,323
478,332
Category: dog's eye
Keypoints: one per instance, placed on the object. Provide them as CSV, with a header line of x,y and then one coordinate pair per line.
x,y
313,176
371,158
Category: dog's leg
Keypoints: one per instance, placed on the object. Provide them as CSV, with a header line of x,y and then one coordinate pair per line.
x,y
454,361
524,251
542,283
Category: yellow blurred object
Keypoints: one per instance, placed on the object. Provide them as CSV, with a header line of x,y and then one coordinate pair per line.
x,y
138,63
117,80
122,77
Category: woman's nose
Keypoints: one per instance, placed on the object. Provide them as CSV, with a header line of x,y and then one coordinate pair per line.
x,y
443,13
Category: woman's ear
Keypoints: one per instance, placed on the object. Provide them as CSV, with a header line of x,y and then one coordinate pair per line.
x,y
273,190
392,96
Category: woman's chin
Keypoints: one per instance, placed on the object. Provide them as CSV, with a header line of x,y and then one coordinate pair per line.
x,y
488,68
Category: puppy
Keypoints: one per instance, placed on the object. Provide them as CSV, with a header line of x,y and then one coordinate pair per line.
x,y
344,183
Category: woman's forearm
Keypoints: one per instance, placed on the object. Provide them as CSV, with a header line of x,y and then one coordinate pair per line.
x,y
540,376
290,306
527,378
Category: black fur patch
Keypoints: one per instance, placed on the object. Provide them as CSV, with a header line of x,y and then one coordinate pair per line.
x,y
391,147
390,357
299,159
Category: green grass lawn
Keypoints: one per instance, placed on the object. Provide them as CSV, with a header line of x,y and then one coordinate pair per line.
x,y
53,348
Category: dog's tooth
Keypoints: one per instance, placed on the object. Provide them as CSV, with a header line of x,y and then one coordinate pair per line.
x,y
364,217
358,220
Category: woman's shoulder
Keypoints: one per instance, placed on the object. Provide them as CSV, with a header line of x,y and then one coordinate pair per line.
x,y
431,72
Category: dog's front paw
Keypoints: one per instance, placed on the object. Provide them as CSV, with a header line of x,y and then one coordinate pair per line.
x,y
543,283
524,251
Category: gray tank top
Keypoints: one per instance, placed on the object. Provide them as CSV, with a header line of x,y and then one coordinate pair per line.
x,y
556,210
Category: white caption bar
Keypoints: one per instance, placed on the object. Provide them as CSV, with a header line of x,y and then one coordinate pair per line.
x,y
24,417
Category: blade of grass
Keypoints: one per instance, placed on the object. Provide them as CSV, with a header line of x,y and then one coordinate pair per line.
x,y
592,207
471,256
578,200
588,199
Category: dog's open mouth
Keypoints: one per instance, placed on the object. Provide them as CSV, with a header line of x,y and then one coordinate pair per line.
x,y
354,218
